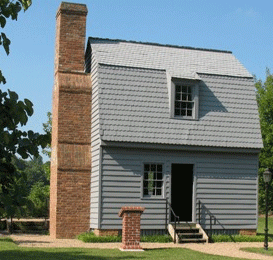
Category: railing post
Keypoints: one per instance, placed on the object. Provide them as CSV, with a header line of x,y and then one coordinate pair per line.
x,y
199,209
166,220
174,240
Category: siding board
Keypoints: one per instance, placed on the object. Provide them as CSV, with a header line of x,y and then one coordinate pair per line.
x,y
227,190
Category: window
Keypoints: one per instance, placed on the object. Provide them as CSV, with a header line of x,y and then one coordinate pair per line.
x,y
184,101
153,180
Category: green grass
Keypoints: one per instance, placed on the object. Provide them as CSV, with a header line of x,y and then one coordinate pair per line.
x,y
260,231
261,224
237,238
258,250
10,251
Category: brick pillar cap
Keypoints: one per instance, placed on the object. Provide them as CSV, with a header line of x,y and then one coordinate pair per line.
x,y
72,8
130,209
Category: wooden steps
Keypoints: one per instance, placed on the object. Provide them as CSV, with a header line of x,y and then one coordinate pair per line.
x,y
188,233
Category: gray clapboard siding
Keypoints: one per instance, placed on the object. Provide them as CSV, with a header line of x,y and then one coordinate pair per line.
x,y
227,190
95,150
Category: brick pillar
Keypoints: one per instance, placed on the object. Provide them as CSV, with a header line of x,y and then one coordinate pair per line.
x,y
131,227
71,127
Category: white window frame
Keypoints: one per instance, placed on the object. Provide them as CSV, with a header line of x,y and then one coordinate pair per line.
x,y
162,196
194,85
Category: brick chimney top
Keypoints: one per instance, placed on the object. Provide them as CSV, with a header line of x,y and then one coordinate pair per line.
x,y
72,8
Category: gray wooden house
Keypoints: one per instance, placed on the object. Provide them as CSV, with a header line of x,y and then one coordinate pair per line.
x,y
168,128
175,123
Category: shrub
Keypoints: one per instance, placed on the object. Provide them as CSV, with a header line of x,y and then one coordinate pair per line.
x,y
156,238
92,238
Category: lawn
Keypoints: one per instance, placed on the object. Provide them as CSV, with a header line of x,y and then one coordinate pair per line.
x,y
260,231
10,251
261,223
258,250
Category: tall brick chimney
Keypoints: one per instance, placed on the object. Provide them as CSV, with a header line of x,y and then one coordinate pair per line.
x,y
71,127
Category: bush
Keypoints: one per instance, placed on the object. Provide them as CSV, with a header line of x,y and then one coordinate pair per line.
x,y
156,238
92,238
237,238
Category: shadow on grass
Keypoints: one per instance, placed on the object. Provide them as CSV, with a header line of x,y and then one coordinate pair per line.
x,y
75,255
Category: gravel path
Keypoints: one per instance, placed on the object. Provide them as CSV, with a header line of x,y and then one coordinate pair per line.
x,y
224,249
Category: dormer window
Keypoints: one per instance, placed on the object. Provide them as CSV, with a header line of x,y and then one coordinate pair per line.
x,y
184,103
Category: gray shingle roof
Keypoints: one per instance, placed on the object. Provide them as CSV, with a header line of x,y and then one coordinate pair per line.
x,y
182,62
131,101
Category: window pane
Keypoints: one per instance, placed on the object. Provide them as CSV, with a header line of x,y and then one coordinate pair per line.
x,y
153,167
158,184
178,88
183,112
146,175
184,105
177,112
189,113
145,184
158,192
189,90
177,96
184,89
159,176
145,191
189,105
146,167
189,97
177,104
184,97
159,168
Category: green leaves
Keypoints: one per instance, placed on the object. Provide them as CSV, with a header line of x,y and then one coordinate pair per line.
x,y
264,97
26,4
5,42
3,21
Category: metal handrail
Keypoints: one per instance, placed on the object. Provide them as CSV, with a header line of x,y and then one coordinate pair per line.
x,y
211,217
176,218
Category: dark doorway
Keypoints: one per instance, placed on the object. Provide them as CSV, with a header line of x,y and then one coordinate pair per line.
x,y
181,192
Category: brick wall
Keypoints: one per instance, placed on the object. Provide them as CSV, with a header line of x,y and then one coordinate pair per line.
x,y
71,127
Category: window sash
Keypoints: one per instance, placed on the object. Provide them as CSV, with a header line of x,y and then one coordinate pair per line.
x,y
153,180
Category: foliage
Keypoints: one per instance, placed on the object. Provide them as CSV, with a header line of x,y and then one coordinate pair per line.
x,y
92,238
237,238
13,141
13,198
39,196
156,238
258,250
265,99
47,127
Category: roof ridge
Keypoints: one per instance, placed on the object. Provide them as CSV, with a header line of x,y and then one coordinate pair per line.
x,y
160,45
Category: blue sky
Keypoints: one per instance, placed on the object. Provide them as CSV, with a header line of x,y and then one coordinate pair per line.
x,y
243,27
